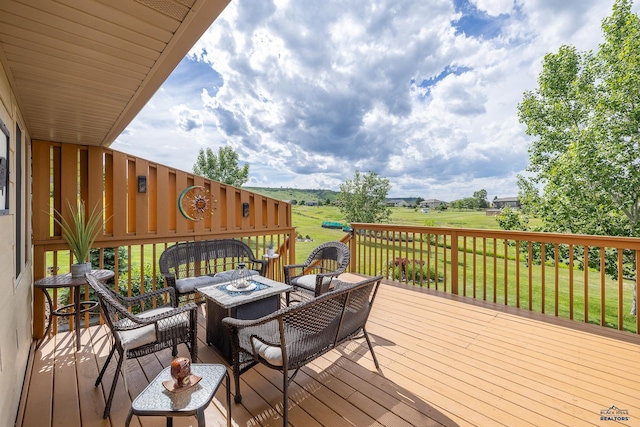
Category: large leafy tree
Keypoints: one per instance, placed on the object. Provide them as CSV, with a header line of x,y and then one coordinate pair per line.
x,y
585,118
222,167
362,199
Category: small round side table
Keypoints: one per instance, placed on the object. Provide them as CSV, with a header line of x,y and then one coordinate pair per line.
x,y
78,307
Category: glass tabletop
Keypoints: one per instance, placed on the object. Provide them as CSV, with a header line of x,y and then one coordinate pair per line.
x,y
155,399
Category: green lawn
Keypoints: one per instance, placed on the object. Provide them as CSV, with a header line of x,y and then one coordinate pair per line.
x,y
448,218
308,219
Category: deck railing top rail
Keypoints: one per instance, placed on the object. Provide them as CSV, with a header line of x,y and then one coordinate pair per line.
x,y
533,236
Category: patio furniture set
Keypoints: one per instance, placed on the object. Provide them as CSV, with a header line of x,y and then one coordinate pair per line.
x,y
248,326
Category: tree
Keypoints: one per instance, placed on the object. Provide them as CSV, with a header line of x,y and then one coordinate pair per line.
x,y
466,203
481,197
223,167
362,199
585,118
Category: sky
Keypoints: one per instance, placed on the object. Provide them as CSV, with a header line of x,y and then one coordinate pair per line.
x,y
422,92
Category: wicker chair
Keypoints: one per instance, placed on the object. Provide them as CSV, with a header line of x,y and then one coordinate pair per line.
x,y
314,277
187,266
292,337
143,325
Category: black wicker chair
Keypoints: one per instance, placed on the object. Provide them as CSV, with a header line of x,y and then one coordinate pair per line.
x,y
294,336
144,324
187,266
314,277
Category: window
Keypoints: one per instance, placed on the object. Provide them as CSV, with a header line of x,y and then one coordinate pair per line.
x,y
20,220
4,170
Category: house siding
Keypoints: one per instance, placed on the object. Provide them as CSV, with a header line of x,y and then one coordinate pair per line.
x,y
17,293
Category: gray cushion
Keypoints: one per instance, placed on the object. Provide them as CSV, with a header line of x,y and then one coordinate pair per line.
x,y
134,338
308,281
224,276
271,353
189,284
301,343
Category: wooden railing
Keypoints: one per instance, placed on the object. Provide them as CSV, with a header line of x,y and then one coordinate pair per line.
x,y
542,272
142,223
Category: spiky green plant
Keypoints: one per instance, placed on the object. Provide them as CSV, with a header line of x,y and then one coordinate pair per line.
x,y
81,231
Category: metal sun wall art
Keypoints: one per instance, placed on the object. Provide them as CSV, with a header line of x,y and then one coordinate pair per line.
x,y
196,203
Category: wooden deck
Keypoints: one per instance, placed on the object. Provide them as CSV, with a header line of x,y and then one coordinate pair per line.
x,y
444,361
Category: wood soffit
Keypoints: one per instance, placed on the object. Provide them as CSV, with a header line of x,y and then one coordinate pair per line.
x,y
81,70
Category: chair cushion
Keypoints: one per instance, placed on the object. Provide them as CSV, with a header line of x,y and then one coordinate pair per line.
x,y
189,284
301,343
134,338
271,353
308,281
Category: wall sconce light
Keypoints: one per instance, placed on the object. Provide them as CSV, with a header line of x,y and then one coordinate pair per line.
x,y
142,184
245,209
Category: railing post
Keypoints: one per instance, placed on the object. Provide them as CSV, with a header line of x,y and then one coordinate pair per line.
x,y
352,248
454,262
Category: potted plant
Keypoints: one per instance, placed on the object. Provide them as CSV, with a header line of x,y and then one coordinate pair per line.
x,y
80,233
270,248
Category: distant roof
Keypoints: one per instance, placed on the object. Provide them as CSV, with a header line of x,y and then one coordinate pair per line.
x,y
506,199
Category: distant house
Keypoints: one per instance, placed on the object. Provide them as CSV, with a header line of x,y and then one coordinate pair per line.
x,y
432,203
397,203
512,202
312,203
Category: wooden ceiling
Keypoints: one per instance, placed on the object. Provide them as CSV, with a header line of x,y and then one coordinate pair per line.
x,y
82,69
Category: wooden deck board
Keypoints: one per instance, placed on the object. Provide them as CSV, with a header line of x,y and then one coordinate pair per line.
x,y
445,361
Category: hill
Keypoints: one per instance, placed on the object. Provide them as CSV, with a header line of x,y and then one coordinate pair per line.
x,y
295,193
306,195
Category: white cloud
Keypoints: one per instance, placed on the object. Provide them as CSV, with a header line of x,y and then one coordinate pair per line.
x,y
494,7
420,92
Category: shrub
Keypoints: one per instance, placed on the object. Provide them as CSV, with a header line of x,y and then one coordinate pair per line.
x,y
512,219
137,280
411,271
109,259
